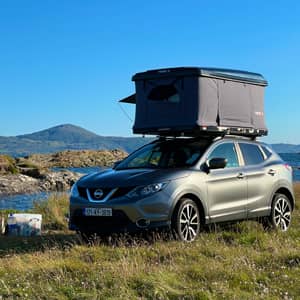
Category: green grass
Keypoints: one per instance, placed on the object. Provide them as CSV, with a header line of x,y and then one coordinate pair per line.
x,y
240,261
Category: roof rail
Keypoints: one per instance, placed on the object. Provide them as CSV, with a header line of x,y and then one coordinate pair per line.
x,y
242,137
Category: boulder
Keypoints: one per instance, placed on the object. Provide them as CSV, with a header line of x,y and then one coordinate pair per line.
x,y
50,181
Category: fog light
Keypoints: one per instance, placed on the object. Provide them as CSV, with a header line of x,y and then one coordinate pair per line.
x,y
142,223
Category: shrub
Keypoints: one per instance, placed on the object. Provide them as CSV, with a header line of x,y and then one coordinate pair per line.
x,y
54,211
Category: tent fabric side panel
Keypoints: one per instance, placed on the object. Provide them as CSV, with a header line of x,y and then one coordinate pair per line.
x,y
140,108
208,102
257,100
235,104
159,114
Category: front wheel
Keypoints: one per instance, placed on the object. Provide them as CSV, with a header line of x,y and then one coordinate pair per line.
x,y
281,213
186,220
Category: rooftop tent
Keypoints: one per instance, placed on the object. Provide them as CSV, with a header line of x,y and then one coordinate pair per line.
x,y
188,101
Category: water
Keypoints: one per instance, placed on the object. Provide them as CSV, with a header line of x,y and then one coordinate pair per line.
x,y
22,201
87,170
25,201
293,159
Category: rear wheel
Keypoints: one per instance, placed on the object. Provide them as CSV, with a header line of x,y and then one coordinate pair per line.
x,y
281,213
186,220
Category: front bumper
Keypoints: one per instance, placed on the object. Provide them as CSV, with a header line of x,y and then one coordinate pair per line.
x,y
118,223
128,215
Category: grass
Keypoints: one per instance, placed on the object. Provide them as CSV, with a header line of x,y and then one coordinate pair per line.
x,y
54,211
240,261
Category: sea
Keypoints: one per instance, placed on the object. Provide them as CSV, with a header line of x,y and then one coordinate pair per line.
x,y
24,202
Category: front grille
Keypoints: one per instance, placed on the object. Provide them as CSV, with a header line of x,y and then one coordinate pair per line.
x,y
120,192
82,192
104,190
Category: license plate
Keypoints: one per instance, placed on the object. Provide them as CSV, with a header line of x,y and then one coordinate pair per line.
x,y
99,212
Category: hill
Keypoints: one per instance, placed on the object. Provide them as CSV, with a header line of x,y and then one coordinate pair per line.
x,y
66,137
67,133
71,137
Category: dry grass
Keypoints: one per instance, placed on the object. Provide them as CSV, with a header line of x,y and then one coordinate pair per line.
x,y
54,211
241,261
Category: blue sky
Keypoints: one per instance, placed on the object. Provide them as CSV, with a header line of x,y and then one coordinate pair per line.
x,y
70,61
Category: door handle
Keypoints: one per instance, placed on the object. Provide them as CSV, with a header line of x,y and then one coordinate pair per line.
x,y
271,172
240,176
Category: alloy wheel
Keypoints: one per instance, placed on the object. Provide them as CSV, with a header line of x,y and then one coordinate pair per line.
x,y
189,221
282,213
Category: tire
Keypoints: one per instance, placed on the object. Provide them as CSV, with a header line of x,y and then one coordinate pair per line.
x,y
281,213
186,220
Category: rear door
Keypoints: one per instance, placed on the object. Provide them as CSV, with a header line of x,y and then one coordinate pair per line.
x,y
226,188
261,177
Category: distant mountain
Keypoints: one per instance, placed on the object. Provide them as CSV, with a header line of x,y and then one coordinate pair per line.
x,y
286,148
67,133
66,137
71,137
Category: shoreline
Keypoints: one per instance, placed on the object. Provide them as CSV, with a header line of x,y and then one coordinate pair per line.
x,y
18,184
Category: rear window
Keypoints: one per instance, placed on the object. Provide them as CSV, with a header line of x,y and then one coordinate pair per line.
x,y
251,153
267,152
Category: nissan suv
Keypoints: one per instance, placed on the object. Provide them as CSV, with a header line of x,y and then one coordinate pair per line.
x,y
184,184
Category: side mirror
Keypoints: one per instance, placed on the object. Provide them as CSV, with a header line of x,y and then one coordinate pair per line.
x,y
217,163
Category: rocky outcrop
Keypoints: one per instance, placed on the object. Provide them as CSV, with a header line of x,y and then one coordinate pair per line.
x,y
17,184
50,181
59,181
33,174
72,158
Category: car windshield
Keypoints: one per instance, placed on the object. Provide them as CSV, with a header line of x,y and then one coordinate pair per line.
x,y
166,154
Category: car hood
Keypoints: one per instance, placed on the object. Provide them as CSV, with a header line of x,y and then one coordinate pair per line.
x,y
134,177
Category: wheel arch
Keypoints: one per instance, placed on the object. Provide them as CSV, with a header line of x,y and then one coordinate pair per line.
x,y
197,200
285,191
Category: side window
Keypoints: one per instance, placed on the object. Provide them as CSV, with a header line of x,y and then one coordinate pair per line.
x,y
227,151
267,152
164,93
251,153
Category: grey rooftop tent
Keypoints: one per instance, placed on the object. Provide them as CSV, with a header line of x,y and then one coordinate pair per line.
x,y
193,101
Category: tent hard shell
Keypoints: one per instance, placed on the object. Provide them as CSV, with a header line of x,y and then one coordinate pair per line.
x,y
194,101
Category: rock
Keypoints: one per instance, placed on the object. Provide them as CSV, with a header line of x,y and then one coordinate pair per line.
x,y
51,181
35,174
18,184
59,181
78,158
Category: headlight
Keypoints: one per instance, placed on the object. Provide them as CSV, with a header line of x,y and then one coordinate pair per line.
x,y
74,191
147,190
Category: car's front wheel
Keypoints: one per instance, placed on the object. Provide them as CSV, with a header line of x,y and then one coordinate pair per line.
x,y
186,220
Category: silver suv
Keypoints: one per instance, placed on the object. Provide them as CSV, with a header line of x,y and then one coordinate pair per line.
x,y
183,184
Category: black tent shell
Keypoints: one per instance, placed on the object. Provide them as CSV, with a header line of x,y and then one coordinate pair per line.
x,y
193,101
227,74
